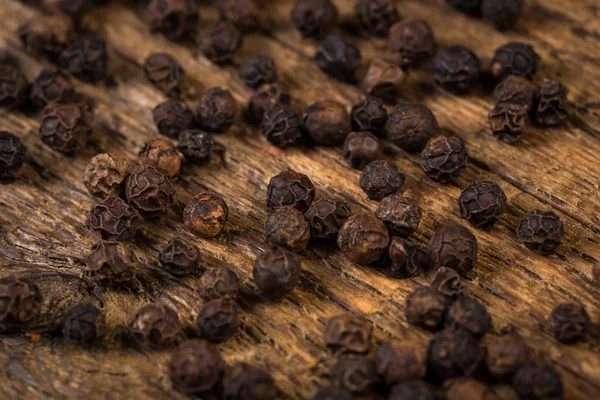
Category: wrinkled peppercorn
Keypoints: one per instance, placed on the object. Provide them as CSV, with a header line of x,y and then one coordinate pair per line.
x,y
411,390
411,126
161,153
155,325
355,373
198,146
453,246
381,178
86,59
515,58
326,216
179,257
383,80
258,69
173,18
327,122
538,380
541,231
413,41
246,382
332,393
287,227
13,154
216,110
456,69
453,353
149,190
52,86
172,117
515,89
314,18
290,188
376,16
83,324
468,388
444,158
115,220
506,354
46,36
509,122
13,87
243,14
406,259
360,148
164,72
369,115
503,14
264,99
105,174
448,283
400,214
551,108
66,128
469,314
196,367
277,272
569,322
219,42
338,58
218,319
217,283
425,308
206,215
20,301
281,126
363,238
73,8
471,7
348,333
482,203
111,263
399,361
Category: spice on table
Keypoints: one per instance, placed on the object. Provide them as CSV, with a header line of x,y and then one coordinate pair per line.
x,y
105,175
217,283
155,325
218,319
246,15
400,361
162,154
164,72
482,203
538,380
46,36
13,87
348,333
115,220
381,178
327,122
363,238
287,227
172,117
173,18
376,16
149,191
86,59
290,188
506,354
406,258
281,126
265,98
383,80
206,215
196,367
111,264
400,214
51,86
258,69
503,14
453,353
453,246
468,388
360,148
469,314
73,8
326,216
569,322
515,58
456,69
551,103
216,110
444,158
332,392
471,7
314,18
13,154
198,146
20,302
509,122
411,126
243,381
66,128
515,89
412,40
411,390
355,373
220,42
448,283
83,324
338,58
369,115
425,308
277,272
179,257
541,231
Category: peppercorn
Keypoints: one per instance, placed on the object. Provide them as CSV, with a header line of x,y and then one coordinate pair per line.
x,y
541,231
538,380
468,388
13,87
111,263
149,191
383,80
471,7
161,153
217,283
456,69
482,203
83,324
258,69
218,319
86,59
314,18
172,117
453,246
13,154
164,72
243,14
469,314
46,36
206,215
332,393
444,158
105,174
66,128
363,238
338,58
360,148
327,122
173,18
506,354
453,353
381,178
288,228
406,259
155,325
369,115
376,16
219,42
277,272
503,14
400,214
246,382
509,122
448,283
196,367
281,126
515,89
52,86
412,41
399,361
569,322
326,216
515,58
264,99
290,188
411,126
551,100
216,110
425,308
115,220
355,373
20,302
73,8
179,257
348,333
198,146
411,390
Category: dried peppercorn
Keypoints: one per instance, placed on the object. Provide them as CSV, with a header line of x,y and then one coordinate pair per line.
x,y
115,220
538,380
400,214
506,354
277,272
383,80
216,110
411,126
541,231
290,188
73,8
258,69
46,36
412,41
399,361
471,7
411,390
172,117
569,322
469,314
327,122
376,16
448,283
453,353
406,258
155,325
86,59
360,148
243,14
456,69
196,367
468,388
173,18
355,373
369,115
20,301
218,319
332,393
198,146
264,99
162,154
338,58
348,333
51,86
111,263
83,324
314,18
515,89
179,257
66,128
551,103
12,155
105,174
508,122
281,126
219,42
453,246
326,216
381,178
287,227
206,214
444,158
149,190
243,381
217,283
13,87
363,238
503,14
164,72
425,308
482,203
515,58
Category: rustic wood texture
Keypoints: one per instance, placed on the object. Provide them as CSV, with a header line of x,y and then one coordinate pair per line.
x,y
44,231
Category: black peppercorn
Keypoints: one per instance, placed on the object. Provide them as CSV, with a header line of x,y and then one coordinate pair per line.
x,y
52,86
114,220
219,42
327,122
246,382
411,126
444,158
164,72
179,257
506,354
376,16
471,7
503,14
83,324
515,89
73,8
425,308
20,301
12,155
348,333
482,203
149,190
198,146
86,59
406,258
453,353
456,69
453,246
218,319
355,373
363,238
400,214
66,128
216,110
541,231
277,272
326,216
314,18
105,174
287,227
155,325
258,69
569,322
162,154
196,367
173,18
290,188
217,283
412,41
172,117
381,178
509,122
338,58
383,80
111,263
411,390
360,148
448,283
281,126
206,215
46,36
369,115
243,14
264,99
13,87
468,388
399,361
515,58
551,103
332,393
469,314
538,380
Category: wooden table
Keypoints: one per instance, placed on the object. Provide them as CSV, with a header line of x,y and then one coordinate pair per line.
x,y
44,231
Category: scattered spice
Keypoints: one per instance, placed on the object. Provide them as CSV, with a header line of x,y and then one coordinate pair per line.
x,y
355,373
218,319
400,214
51,86
453,353
425,308
13,87
448,283
406,258
444,158
369,115
105,175
149,191
383,80
469,314
569,322
155,325
456,69
13,154
360,148
66,128
515,89
83,324
243,381
509,122
115,220
264,99
327,122
541,231
348,333
338,58
111,264
314,18
453,246
551,100
515,58
172,117
179,257
411,390
217,283
173,18
376,16
164,72
206,215
246,15
86,59
482,203
220,42
198,146
216,110
400,361
363,238
46,36
277,272
411,126
162,154
196,367
20,302
381,178
503,14
290,188
258,69
538,380
412,41
326,216
506,354
281,126
287,227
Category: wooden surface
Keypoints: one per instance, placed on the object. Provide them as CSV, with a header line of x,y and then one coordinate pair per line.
x,y
44,231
